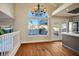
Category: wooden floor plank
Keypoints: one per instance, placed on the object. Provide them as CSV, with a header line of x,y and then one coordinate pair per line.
x,y
44,49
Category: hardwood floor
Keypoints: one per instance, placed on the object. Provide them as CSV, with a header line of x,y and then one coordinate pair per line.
x,y
44,49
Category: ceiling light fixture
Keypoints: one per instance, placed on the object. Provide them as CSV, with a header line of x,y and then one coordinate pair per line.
x,y
39,10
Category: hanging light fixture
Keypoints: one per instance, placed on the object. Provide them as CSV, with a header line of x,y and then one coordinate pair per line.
x,y
39,10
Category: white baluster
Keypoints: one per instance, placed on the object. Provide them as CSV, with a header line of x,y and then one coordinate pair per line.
x,y
1,47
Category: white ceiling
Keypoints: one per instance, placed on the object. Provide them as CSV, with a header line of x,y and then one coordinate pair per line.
x,y
69,8
2,15
53,7
56,4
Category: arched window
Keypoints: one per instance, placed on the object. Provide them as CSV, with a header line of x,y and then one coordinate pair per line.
x,y
38,21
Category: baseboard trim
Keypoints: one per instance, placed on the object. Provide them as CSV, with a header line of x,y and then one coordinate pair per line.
x,y
15,50
36,41
40,41
71,48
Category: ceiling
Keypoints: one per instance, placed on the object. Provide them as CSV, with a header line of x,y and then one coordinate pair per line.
x,y
3,15
65,11
53,6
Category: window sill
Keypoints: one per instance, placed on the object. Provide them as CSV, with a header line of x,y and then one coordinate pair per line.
x,y
37,35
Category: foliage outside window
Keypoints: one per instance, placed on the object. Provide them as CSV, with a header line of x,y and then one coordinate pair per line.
x,y
38,27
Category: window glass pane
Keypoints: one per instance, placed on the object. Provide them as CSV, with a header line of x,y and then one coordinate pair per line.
x,y
38,27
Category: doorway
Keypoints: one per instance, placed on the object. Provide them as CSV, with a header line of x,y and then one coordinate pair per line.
x,y
58,26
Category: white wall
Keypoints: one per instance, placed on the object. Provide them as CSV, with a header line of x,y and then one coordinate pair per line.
x,y
7,14
7,8
21,22
6,22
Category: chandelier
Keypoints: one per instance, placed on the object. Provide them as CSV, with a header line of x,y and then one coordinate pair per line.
x,y
39,10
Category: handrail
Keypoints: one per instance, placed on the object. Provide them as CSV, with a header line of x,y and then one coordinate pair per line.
x,y
9,42
13,33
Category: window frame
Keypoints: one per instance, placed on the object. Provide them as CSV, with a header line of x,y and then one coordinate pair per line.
x,y
38,19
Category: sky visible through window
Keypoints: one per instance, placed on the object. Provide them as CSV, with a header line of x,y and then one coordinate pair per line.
x,y
35,22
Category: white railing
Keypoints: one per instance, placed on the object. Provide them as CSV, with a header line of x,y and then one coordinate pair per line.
x,y
9,43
